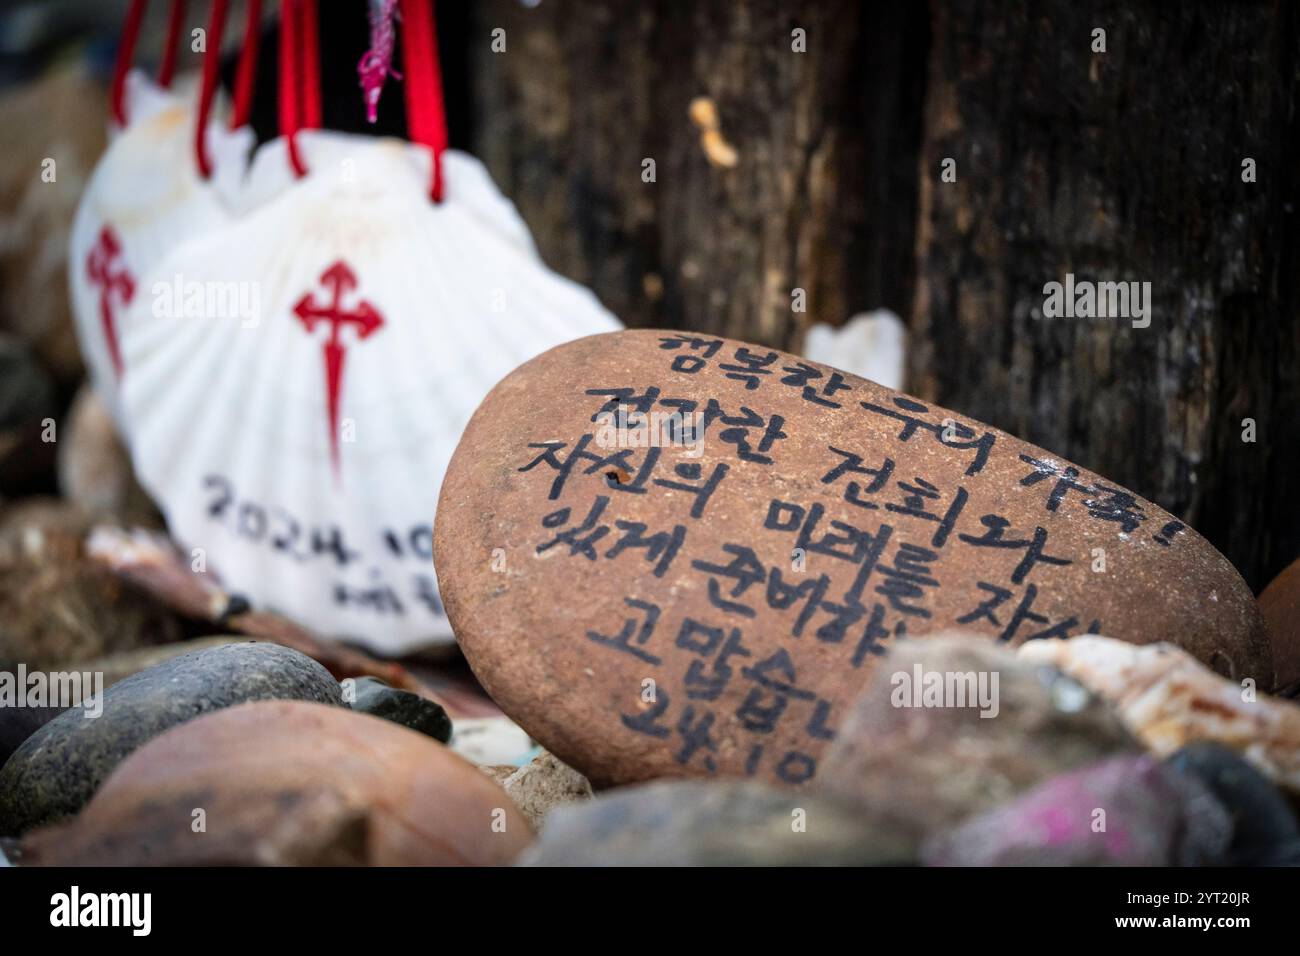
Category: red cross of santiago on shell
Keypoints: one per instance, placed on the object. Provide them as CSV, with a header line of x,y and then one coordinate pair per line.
x,y
105,268
338,280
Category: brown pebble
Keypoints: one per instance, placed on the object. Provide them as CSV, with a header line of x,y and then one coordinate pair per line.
x,y
639,627
1280,605
543,784
954,725
290,783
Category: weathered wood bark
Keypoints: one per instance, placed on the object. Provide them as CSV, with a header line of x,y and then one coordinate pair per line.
x,y
822,195
1123,165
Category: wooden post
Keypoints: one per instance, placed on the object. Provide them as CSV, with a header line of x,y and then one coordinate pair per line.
x,y
1125,164
1122,165
824,126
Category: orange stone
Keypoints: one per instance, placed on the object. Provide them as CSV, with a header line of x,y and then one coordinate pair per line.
x,y
290,783
648,600
1280,604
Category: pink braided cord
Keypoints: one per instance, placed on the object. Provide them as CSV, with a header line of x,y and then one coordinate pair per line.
x,y
376,64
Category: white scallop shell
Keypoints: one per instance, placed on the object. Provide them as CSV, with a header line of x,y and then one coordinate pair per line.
x,y
871,345
330,153
144,196
229,414
144,98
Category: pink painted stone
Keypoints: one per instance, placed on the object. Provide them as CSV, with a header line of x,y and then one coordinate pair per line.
x,y
1126,811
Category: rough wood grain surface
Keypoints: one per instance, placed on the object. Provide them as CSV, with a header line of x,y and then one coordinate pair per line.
x,y
1123,165
1117,166
822,194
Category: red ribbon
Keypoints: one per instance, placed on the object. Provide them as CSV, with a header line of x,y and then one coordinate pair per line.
x,y
426,119
126,54
246,72
290,81
167,68
300,98
211,71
